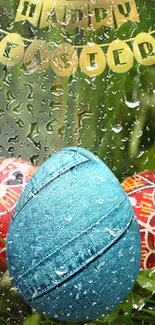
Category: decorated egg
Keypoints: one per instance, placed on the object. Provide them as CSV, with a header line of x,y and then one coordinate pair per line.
x,y
14,175
140,189
73,245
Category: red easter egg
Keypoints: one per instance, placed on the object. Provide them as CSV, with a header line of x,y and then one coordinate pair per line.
x,y
140,189
14,175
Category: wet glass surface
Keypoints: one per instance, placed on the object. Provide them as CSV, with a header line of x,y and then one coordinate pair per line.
x,y
66,81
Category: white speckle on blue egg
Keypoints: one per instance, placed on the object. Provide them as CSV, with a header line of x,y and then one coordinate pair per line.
x,y
35,293
101,179
99,201
94,303
49,216
122,267
68,218
54,281
113,199
61,271
132,259
114,271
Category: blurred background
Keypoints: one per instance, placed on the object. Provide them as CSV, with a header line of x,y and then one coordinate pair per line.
x,y
113,115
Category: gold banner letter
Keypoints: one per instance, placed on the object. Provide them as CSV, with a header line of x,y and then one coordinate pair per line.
x,y
11,49
65,60
144,49
101,14
29,10
119,57
37,56
92,60
76,14
53,13
125,10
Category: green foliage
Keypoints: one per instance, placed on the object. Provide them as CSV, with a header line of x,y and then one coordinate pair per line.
x,y
32,320
138,308
2,240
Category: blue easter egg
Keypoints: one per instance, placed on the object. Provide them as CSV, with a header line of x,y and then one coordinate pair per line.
x,y
73,246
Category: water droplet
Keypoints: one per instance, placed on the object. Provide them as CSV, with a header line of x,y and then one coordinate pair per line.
x,y
31,94
114,232
68,218
35,293
39,237
61,271
113,199
101,178
100,201
49,216
50,126
30,108
20,123
18,108
134,104
133,201
117,129
132,259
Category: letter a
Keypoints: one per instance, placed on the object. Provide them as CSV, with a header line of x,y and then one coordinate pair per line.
x,y
52,13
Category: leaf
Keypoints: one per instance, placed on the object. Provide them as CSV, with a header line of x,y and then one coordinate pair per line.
x,y
6,281
2,240
126,305
150,312
121,320
14,292
110,317
146,279
138,290
33,320
147,160
128,321
137,301
142,316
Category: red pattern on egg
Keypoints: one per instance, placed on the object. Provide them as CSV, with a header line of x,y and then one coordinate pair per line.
x,y
140,189
14,175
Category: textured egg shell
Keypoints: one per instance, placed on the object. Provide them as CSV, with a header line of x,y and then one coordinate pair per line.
x,y
140,189
73,246
14,175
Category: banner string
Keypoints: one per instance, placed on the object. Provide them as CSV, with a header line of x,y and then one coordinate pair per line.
x,y
76,46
